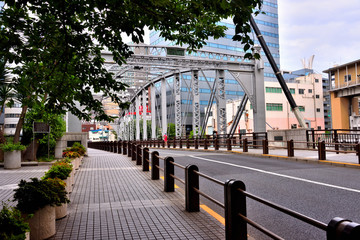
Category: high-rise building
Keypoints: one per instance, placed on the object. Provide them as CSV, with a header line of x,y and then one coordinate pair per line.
x,y
268,25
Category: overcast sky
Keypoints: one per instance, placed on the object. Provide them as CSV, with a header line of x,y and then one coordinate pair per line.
x,y
328,29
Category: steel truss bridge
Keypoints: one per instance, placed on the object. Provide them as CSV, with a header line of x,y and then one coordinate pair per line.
x,y
150,66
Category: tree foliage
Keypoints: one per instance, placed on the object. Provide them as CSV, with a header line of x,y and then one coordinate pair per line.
x,y
55,46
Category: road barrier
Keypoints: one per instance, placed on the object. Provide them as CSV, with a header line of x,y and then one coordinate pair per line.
x,y
235,193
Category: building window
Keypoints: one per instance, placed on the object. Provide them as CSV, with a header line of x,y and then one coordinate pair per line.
x,y
347,78
316,80
319,127
12,115
292,90
310,90
273,90
318,110
301,91
293,126
274,107
301,108
317,96
10,125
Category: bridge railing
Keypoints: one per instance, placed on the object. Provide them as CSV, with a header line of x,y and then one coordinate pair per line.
x,y
235,194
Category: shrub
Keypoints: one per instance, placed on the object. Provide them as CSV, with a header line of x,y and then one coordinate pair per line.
x,y
70,154
77,147
10,146
60,170
12,225
36,194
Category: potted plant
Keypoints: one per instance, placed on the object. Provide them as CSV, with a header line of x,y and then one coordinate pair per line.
x,y
38,198
12,224
62,171
12,154
72,155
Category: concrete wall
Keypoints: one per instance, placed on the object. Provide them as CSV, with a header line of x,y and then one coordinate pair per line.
x,y
298,135
61,144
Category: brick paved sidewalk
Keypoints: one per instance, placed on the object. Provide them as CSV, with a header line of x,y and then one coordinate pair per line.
x,y
113,199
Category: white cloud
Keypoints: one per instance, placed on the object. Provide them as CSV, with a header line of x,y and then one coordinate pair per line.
x,y
329,29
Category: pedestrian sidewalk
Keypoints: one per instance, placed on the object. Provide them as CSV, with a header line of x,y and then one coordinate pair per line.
x,y
114,199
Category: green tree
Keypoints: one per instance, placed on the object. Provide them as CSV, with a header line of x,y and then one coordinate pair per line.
x,y
57,129
56,45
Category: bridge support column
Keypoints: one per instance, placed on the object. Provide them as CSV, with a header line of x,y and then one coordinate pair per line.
x,y
137,117
259,111
163,107
144,112
177,105
153,111
221,103
196,102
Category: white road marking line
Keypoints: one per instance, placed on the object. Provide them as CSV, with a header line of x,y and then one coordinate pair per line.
x,y
279,175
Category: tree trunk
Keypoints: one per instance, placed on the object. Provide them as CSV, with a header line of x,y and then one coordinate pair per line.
x,y
20,124
31,150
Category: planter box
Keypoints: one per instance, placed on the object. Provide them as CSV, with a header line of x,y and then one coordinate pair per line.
x,y
42,224
61,211
12,160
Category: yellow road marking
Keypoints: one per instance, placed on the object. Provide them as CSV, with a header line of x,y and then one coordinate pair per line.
x,y
176,186
352,164
213,213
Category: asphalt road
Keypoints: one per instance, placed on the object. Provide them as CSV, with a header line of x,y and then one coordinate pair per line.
x,y
319,191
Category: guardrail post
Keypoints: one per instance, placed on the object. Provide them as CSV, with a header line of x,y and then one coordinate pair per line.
x,y
313,137
115,146
228,143
174,142
129,148
124,145
358,152
235,203
321,150
138,154
192,200
187,143
155,162
216,143
205,143
196,143
168,171
163,143
290,148
245,145
265,144
119,147
133,152
180,143
145,159
339,229
337,146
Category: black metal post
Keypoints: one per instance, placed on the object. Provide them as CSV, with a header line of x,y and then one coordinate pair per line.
x,y
216,143
187,143
129,148
235,204
154,163
341,229
138,154
133,152
265,144
192,199
205,143
124,145
145,159
290,148
245,145
228,143
168,171
196,143
180,143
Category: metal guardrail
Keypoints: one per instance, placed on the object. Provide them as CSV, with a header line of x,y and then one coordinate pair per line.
x,y
235,193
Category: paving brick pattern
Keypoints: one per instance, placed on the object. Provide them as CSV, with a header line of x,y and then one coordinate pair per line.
x,y
113,199
9,179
